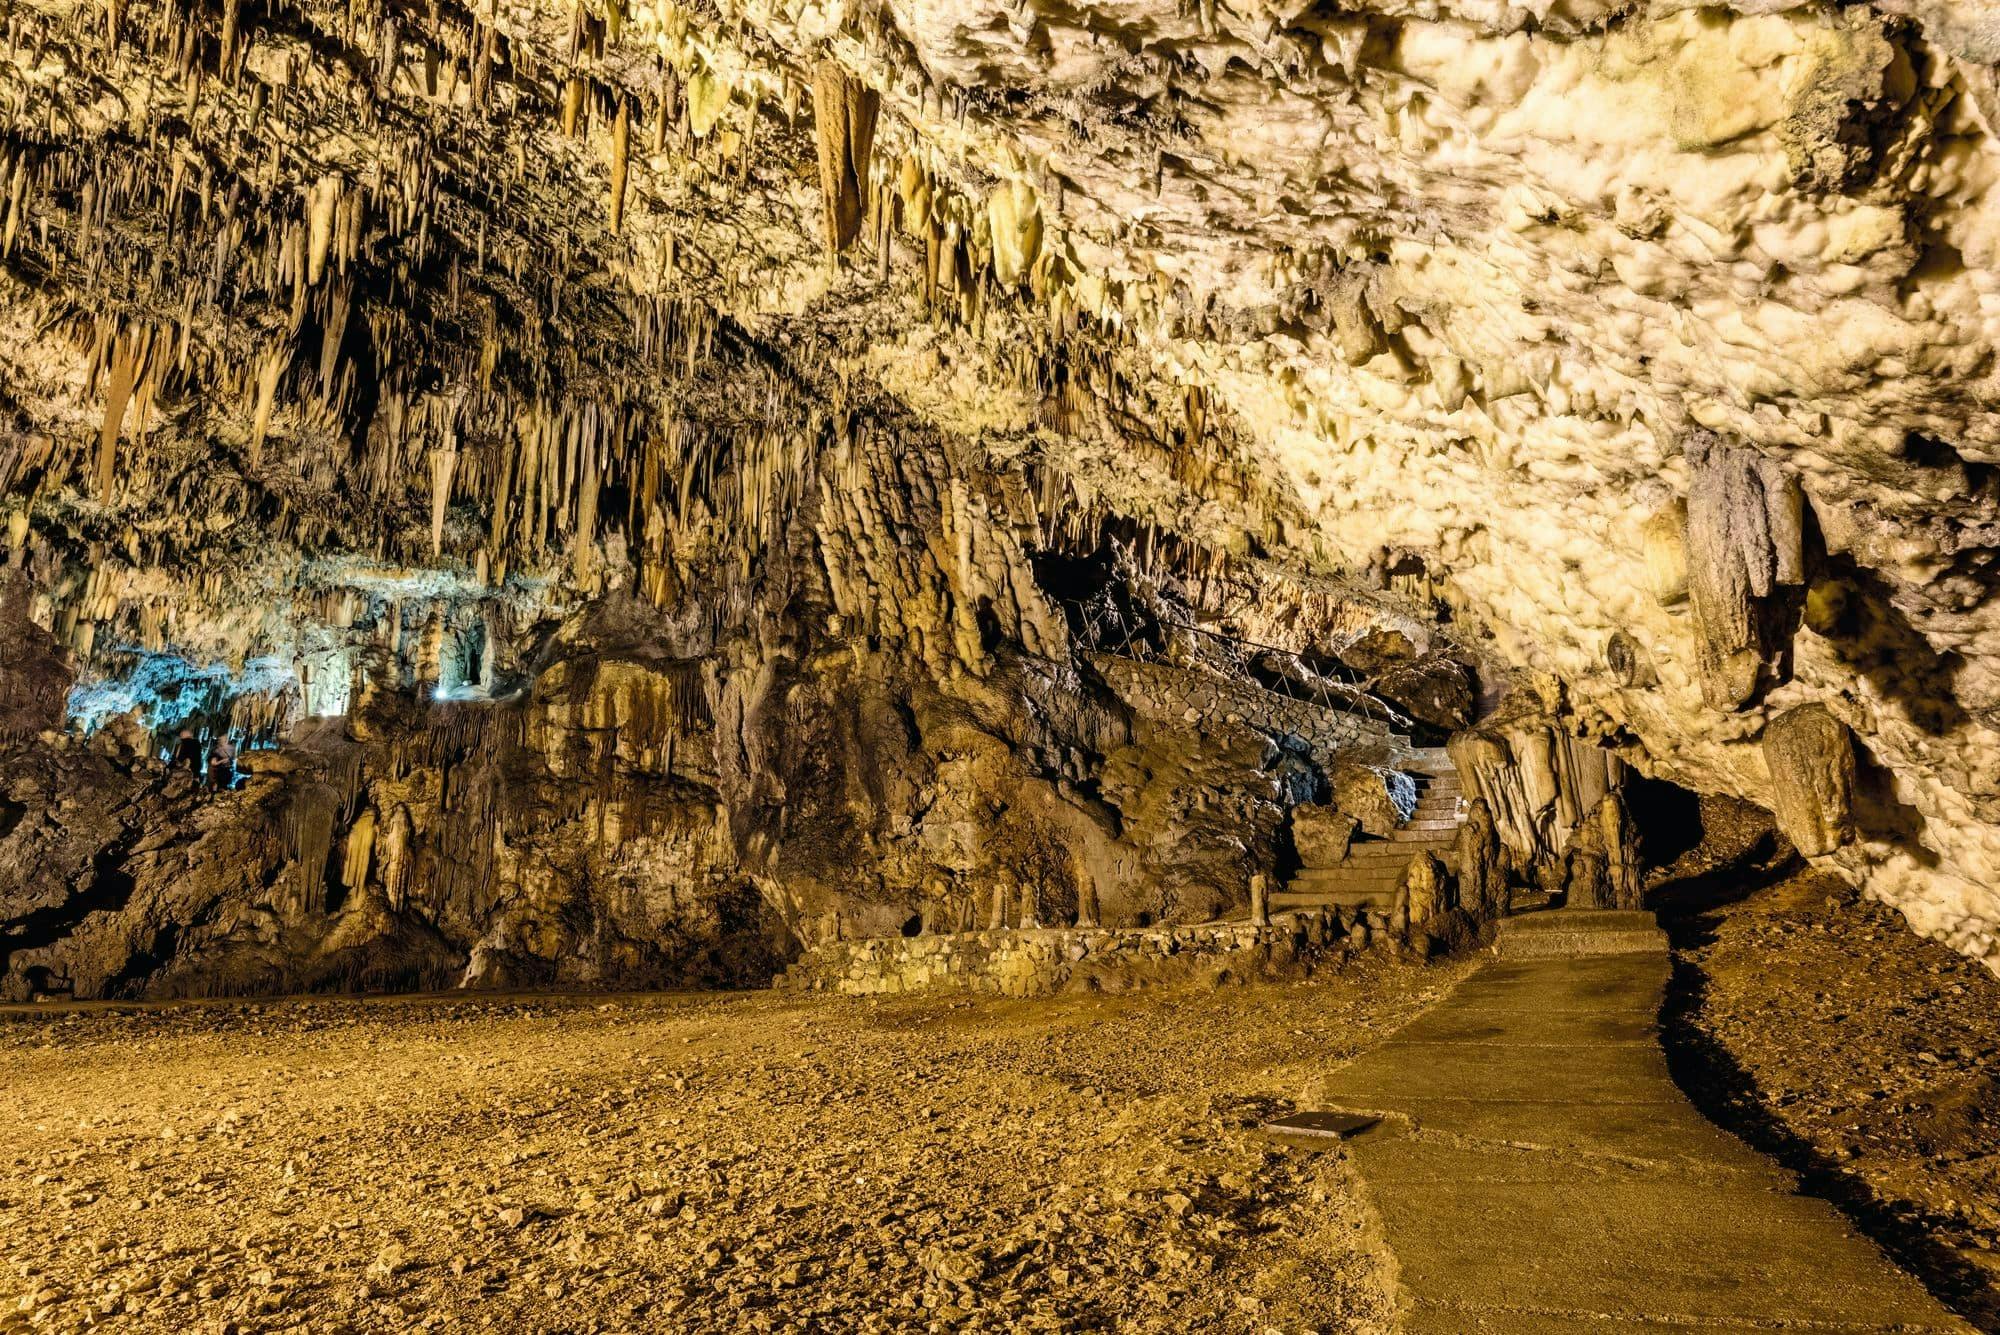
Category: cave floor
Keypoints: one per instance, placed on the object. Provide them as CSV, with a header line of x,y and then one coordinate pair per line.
x,y
1538,1170
688,1162
1820,1029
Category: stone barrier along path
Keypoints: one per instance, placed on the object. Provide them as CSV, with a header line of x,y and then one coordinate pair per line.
x,y
1538,1172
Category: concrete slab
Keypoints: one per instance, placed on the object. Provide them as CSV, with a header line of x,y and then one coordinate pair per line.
x,y
1578,1073
1538,1170
1644,1133
1555,1028
1426,1158
1605,984
1445,1319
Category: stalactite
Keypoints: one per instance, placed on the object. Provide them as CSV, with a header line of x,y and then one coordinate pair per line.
x,y
130,355
621,131
443,462
844,114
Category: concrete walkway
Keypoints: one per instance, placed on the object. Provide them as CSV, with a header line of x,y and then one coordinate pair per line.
x,y
1537,1172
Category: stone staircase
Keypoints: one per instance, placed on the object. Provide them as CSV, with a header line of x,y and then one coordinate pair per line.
x,y
1374,868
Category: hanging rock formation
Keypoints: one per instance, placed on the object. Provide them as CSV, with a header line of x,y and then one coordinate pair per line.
x,y
645,484
1812,779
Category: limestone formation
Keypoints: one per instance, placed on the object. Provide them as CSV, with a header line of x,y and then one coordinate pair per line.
x,y
1425,889
1745,539
1482,879
1377,798
1811,756
1322,834
654,477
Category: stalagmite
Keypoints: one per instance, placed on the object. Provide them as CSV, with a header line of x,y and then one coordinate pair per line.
x,y
1424,887
1481,877
1811,758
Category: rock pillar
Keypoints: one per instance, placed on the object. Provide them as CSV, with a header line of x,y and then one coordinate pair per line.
x,y
1481,879
1811,757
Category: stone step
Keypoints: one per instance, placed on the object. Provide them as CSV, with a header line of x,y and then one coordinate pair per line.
x,y
1424,829
1574,933
1388,873
1398,851
1331,899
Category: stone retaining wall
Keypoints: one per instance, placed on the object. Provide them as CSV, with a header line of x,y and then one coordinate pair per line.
x,y
1034,962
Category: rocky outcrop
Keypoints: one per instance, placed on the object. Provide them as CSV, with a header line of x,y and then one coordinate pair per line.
x,y
1812,779
880,366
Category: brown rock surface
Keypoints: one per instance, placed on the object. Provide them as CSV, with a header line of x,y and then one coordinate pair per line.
x,y
1864,1057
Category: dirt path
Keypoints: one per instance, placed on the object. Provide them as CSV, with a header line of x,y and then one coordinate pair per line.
x,y
1823,1031
715,1162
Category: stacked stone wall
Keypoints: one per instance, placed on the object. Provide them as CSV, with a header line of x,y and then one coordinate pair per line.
x,y
1033,962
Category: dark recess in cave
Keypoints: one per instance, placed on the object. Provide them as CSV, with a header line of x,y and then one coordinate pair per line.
x,y
1667,815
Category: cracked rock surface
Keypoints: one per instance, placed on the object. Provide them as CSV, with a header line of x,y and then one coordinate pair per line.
x,y
738,425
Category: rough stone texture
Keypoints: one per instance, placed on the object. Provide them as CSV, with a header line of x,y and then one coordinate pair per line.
x,y
1811,757
1322,835
888,362
1604,869
1037,962
1379,799
1482,881
550,1164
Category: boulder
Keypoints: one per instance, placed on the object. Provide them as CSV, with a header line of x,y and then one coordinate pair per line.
x,y
1371,795
1811,757
1377,650
1434,690
1322,834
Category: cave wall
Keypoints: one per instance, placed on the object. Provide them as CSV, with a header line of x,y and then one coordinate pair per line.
x,y
1642,356
669,797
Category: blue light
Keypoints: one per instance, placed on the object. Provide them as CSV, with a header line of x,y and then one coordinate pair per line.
x,y
168,690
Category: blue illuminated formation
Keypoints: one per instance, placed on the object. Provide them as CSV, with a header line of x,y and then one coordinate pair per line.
x,y
170,693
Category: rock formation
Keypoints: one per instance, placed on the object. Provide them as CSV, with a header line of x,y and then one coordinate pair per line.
x,y
640,481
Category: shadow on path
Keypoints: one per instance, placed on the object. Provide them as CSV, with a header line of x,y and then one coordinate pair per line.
x,y
1729,1095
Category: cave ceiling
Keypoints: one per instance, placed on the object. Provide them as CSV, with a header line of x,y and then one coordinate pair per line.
x,y
1660,339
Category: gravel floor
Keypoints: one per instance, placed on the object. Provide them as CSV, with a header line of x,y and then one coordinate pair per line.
x,y
709,1162
1824,1031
